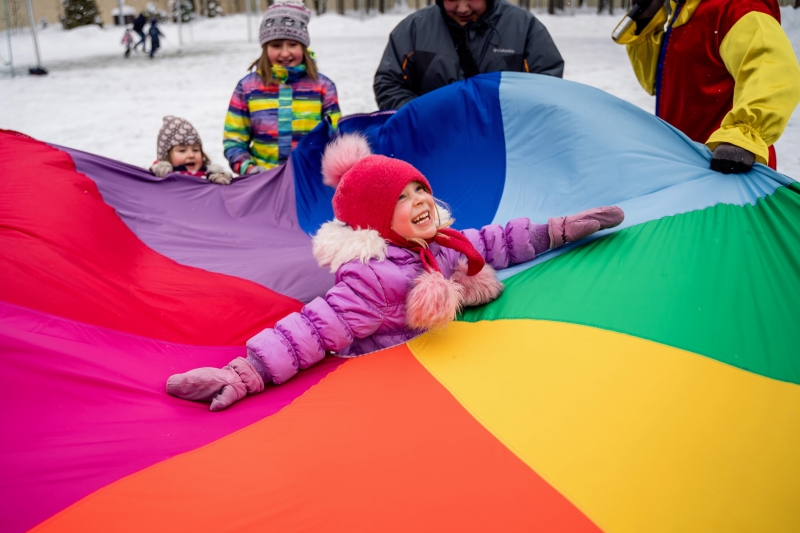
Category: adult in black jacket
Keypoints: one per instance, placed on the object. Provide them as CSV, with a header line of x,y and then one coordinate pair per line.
x,y
456,39
138,27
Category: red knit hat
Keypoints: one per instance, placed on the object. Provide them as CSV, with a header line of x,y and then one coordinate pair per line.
x,y
367,186
367,189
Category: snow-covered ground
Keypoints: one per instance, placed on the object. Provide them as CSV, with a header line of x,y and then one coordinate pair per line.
x,y
97,101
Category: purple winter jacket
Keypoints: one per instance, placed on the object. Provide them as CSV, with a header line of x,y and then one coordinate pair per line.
x,y
365,311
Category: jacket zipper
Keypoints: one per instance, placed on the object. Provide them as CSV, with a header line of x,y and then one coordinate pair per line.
x,y
662,54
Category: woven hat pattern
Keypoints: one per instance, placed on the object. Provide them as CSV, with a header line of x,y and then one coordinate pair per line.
x,y
286,20
174,132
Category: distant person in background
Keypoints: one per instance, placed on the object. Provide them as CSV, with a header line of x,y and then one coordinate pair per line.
x,y
154,33
138,27
457,39
127,41
285,98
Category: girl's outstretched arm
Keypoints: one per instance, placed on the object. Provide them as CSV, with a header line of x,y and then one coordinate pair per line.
x,y
522,240
353,309
501,246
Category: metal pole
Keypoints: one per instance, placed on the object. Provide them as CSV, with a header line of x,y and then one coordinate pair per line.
x,y
180,22
120,5
249,29
33,31
8,34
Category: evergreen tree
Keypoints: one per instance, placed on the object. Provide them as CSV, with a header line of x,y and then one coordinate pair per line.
x,y
214,9
187,10
80,13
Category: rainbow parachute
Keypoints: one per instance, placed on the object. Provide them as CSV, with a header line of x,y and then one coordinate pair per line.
x,y
643,380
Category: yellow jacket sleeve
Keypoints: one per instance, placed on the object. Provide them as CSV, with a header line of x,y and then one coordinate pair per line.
x,y
760,58
643,49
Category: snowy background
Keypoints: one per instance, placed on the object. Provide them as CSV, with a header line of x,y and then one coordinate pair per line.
x,y
96,100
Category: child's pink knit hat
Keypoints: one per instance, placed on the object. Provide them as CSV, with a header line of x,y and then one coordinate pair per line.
x,y
367,185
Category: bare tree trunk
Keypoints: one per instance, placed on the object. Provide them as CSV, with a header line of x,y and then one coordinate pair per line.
x,y
340,7
382,6
551,6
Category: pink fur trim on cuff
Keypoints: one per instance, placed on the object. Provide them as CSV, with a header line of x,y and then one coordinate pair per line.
x,y
432,302
479,289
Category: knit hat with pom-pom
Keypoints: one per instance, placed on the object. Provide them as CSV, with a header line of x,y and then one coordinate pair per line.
x,y
285,20
367,185
367,189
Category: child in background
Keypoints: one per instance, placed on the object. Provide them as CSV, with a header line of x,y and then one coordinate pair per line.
x,y
127,42
155,34
400,270
284,99
180,150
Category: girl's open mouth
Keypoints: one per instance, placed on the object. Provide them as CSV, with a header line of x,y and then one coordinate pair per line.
x,y
422,219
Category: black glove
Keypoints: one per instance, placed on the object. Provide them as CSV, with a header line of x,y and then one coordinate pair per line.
x,y
644,18
730,159
650,11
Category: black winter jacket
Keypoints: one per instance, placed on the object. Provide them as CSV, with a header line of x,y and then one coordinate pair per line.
x,y
421,55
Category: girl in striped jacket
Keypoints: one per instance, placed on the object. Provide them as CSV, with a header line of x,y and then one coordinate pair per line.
x,y
285,97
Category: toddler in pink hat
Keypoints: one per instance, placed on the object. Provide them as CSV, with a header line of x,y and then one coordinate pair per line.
x,y
400,271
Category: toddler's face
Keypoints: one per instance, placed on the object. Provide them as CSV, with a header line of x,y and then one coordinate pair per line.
x,y
415,212
190,155
285,52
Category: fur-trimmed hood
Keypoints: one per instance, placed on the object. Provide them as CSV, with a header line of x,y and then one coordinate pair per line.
x,y
336,243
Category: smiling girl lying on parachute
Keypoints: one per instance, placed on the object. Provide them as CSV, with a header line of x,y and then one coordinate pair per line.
x,y
400,271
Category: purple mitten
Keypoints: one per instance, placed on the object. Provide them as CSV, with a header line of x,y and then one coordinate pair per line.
x,y
575,227
221,386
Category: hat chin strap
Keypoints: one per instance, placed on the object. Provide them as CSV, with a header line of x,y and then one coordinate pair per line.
x,y
448,238
434,301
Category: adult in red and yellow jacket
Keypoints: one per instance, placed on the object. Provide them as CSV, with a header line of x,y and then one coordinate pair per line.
x,y
722,71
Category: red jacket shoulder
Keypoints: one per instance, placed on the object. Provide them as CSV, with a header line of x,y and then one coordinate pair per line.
x,y
726,13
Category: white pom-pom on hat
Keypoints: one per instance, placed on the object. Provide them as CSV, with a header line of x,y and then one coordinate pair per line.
x,y
341,155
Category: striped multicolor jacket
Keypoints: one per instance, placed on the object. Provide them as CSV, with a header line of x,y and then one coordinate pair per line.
x,y
264,123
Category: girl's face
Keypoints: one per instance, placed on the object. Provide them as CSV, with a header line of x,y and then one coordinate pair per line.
x,y
414,214
285,52
190,155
